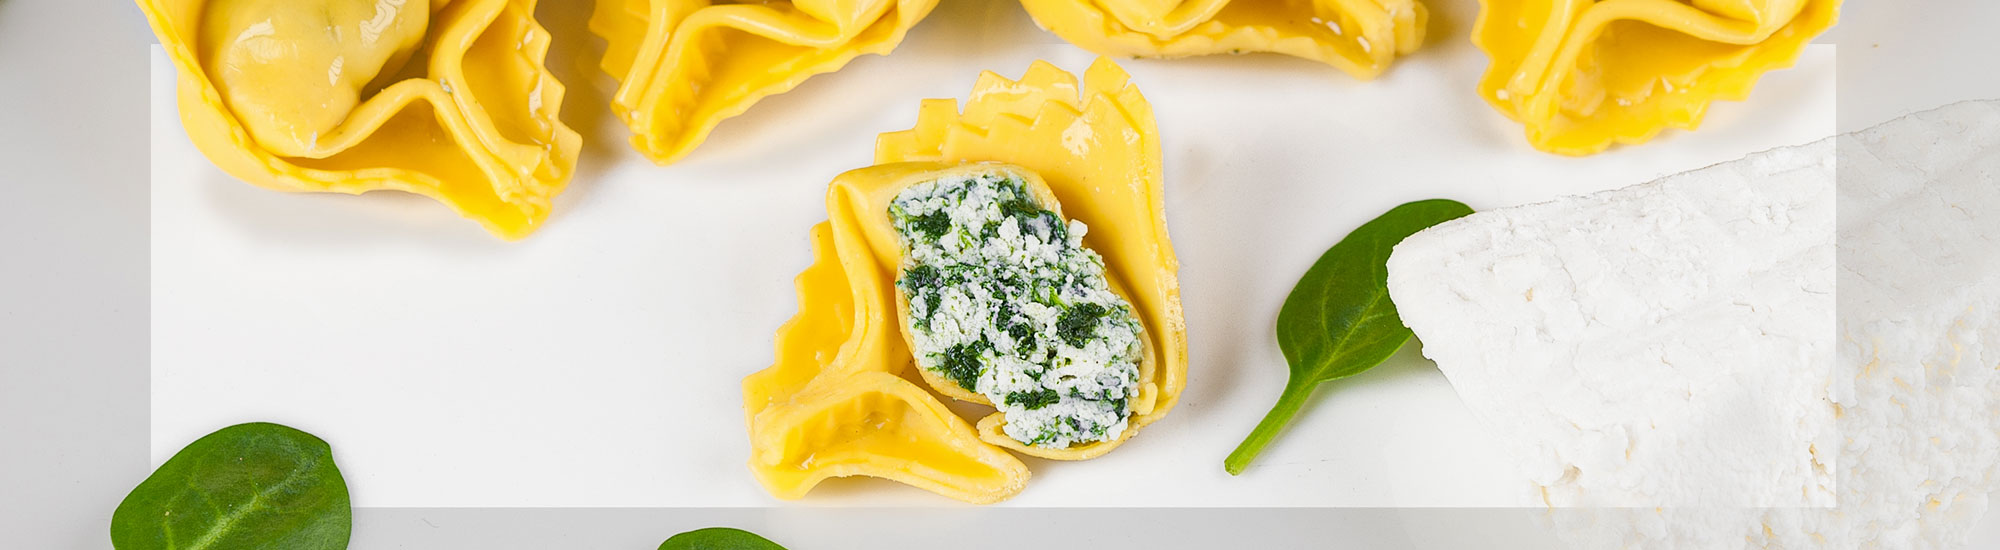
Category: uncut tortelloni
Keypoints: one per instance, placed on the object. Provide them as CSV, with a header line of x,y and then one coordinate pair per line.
x,y
684,65
846,397
1361,37
1581,75
443,98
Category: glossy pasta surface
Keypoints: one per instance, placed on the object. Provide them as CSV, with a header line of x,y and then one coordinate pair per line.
x,y
446,99
1582,75
1360,37
685,65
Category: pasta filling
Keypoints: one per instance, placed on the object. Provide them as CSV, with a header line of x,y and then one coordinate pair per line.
x,y
1005,301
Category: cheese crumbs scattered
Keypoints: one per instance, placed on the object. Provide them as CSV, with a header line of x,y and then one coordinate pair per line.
x,y
1005,301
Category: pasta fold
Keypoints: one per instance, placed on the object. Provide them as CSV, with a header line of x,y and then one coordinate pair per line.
x,y
1360,37
446,99
685,65
1580,75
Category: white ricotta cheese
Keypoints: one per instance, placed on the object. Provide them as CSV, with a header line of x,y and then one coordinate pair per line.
x,y
1665,344
1915,381
1918,371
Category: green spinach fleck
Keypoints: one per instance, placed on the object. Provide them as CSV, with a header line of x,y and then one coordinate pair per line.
x,y
921,277
933,225
1078,325
1022,333
961,364
1033,400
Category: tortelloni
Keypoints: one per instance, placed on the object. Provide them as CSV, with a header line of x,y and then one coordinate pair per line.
x,y
1584,74
684,65
1361,37
443,98
846,395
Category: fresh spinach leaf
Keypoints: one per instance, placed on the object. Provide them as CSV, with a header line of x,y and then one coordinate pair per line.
x,y
719,538
1339,321
248,486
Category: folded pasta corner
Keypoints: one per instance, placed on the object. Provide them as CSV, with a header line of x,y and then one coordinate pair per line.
x,y
1581,75
685,65
446,100
1360,38
877,424
834,403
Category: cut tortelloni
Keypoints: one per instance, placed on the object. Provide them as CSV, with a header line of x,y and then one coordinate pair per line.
x,y
1361,37
684,65
443,98
1584,74
844,397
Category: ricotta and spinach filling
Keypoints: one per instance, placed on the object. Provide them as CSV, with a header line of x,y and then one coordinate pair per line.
x,y
1006,302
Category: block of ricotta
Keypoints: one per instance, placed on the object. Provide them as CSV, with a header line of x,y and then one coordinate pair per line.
x,y
1917,379
1667,344
1915,382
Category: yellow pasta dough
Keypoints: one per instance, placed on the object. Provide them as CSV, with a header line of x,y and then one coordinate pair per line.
x,y
446,99
1361,37
684,65
1581,75
1093,151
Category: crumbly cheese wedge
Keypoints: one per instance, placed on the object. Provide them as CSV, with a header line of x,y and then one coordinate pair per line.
x,y
1916,380
1918,371
1665,344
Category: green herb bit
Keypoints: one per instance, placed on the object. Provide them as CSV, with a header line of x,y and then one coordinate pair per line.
x,y
961,364
1035,399
1078,325
933,225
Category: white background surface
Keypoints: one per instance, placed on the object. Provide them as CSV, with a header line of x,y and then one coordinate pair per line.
x,y
73,334
598,363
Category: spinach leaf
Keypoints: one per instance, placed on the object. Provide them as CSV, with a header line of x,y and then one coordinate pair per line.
x,y
248,486
1338,321
719,538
